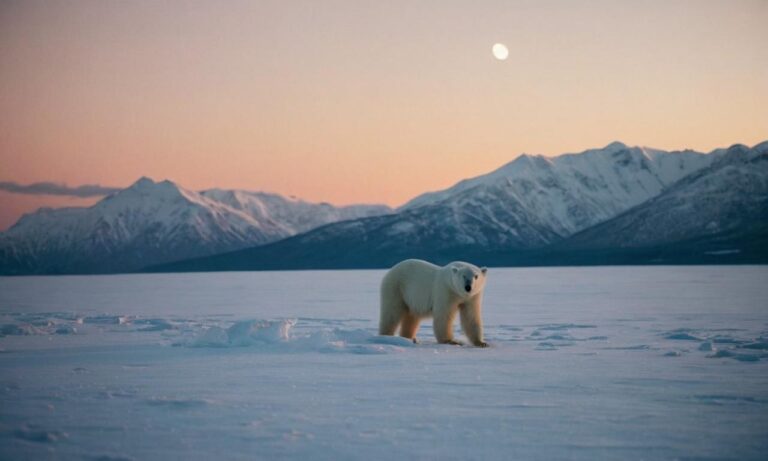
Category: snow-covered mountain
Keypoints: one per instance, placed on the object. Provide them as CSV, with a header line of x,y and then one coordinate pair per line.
x,y
720,204
571,192
294,215
516,213
155,222
530,207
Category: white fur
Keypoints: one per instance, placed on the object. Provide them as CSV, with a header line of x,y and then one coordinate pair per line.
x,y
413,290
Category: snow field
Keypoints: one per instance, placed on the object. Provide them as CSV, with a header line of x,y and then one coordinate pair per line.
x,y
585,363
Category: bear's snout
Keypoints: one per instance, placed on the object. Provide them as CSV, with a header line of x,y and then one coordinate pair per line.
x,y
468,287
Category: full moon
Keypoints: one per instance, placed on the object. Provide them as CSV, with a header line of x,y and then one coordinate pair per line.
x,y
500,51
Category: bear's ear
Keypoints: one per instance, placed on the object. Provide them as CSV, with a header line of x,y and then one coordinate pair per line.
x,y
455,269
483,270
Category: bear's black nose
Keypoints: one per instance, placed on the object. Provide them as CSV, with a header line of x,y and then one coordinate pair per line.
x,y
468,288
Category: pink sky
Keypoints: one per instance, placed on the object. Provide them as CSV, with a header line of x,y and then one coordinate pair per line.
x,y
360,101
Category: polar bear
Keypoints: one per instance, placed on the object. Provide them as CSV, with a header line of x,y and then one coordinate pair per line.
x,y
414,289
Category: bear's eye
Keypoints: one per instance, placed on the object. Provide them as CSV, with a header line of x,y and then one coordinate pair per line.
x,y
475,277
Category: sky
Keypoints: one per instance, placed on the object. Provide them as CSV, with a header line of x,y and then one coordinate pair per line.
x,y
360,101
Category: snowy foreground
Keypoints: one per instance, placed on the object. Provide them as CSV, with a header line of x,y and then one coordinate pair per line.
x,y
585,363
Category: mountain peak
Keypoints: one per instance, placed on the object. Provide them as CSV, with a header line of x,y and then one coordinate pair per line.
x,y
738,147
148,185
762,147
737,153
147,190
614,146
143,181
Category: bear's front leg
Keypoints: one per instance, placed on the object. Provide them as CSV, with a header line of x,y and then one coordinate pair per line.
x,y
471,323
443,324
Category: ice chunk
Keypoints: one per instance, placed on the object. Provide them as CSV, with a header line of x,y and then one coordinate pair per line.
x,y
245,333
249,332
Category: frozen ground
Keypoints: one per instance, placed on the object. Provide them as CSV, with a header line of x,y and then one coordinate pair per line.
x,y
585,363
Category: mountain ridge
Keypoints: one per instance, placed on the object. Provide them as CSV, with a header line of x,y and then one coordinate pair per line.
x,y
493,218
532,210
152,222
731,194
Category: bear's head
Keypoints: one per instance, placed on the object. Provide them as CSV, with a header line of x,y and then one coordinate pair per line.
x,y
467,280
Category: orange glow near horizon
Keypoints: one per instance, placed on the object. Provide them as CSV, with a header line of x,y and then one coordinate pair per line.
x,y
361,102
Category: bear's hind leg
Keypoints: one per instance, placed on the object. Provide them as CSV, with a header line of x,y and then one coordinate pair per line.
x,y
409,326
392,313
